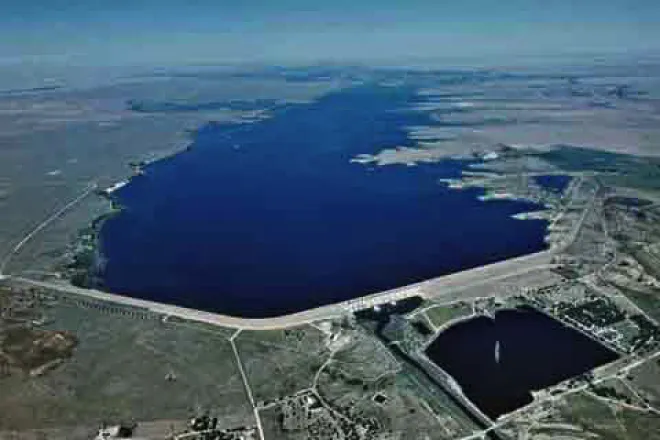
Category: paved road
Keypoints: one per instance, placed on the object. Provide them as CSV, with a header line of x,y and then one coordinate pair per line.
x,y
435,288
59,213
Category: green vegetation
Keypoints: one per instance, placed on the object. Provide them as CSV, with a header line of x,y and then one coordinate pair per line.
x,y
649,333
640,425
645,380
601,312
647,301
592,415
628,170
280,363
650,262
440,315
128,365
615,390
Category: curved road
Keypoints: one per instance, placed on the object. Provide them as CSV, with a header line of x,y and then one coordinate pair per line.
x,y
434,288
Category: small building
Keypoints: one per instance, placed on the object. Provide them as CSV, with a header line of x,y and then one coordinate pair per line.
x,y
115,432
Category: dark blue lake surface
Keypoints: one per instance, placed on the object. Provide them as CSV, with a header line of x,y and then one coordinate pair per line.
x,y
535,352
553,182
271,217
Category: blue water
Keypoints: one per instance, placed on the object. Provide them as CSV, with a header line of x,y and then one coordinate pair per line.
x,y
271,217
553,182
176,107
535,352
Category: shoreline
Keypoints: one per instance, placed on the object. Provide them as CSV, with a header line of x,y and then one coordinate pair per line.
x,y
138,167
86,272
83,267
79,275
430,288
86,277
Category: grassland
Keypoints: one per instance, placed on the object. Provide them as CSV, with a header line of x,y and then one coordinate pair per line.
x,y
127,365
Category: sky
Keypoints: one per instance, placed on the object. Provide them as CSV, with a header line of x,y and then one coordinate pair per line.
x,y
121,32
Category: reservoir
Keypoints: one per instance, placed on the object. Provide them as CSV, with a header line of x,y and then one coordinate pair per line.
x,y
553,182
271,217
498,362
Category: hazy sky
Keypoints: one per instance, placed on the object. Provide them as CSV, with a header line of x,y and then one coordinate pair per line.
x,y
191,31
